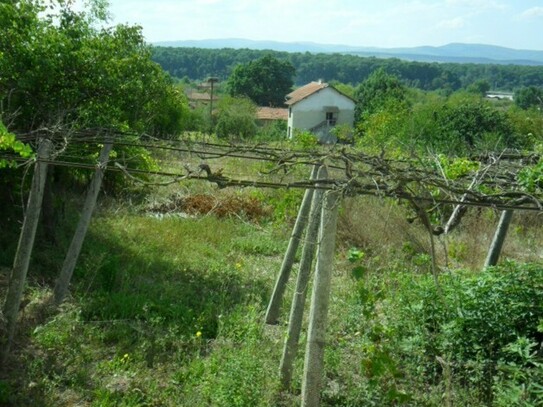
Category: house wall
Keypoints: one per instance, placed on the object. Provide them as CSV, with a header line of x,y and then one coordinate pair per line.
x,y
310,112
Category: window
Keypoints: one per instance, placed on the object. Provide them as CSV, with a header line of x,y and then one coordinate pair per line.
x,y
330,119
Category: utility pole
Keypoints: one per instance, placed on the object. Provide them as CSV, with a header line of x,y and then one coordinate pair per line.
x,y
211,81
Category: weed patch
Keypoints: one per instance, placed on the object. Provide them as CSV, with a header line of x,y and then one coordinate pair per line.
x,y
222,206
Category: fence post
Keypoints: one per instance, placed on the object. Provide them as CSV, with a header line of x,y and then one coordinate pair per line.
x,y
26,243
499,238
272,313
304,274
314,355
63,282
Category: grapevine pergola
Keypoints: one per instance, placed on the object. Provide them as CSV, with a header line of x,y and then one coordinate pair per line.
x,y
492,179
495,180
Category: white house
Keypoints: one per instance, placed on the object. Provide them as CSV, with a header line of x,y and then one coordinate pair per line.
x,y
318,107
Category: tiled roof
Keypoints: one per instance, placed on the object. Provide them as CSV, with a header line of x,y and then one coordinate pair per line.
x,y
304,91
200,97
272,113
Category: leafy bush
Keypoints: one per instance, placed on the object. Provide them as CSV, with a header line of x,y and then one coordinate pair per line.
x,y
531,177
478,323
275,131
236,118
458,125
8,142
304,140
529,96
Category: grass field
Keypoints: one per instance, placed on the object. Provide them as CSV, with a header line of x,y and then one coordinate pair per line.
x,y
169,295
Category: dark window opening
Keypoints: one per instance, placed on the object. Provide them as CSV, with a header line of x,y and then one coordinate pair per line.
x,y
330,119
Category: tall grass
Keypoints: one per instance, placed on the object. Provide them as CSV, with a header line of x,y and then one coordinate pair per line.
x,y
168,311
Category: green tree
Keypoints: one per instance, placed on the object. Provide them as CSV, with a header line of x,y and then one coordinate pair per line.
x,y
346,89
529,96
378,91
456,126
386,130
62,70
479,87
476,123
236,118
266,81
59,68
527,126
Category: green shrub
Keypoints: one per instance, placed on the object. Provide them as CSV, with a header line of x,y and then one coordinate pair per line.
x,y
474,322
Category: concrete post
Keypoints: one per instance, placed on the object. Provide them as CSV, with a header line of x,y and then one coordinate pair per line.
x,y
26,243
63,282
316,337
272,313
298,302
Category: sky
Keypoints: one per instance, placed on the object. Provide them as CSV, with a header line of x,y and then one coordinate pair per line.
x,y
380,23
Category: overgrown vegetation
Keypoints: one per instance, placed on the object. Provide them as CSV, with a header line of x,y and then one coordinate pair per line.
x,y
169,294
168,310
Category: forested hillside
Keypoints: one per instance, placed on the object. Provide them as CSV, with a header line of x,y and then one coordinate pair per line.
x,y
199,63
467,53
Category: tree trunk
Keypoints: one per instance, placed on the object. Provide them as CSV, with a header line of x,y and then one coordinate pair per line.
x,y
272,313
26,243
63,282
499,238
298,302
314,356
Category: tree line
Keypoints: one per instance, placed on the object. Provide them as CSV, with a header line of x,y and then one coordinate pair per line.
x,y
199,63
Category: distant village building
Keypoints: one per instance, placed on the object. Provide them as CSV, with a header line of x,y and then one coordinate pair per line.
x,y
497,95
198,99
267,115
318,107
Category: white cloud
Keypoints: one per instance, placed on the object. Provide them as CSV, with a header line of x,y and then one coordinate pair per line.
x,y
389,23
207,2
477,4
452,24
534,12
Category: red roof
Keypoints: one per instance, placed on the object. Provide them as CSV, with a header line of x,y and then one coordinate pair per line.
x,y
271,113
304,91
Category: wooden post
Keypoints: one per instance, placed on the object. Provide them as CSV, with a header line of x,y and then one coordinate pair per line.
x,y
272,313
499,238
314,355
298,301
63,282
26,243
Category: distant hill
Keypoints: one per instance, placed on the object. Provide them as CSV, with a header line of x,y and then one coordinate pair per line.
x,y
456,52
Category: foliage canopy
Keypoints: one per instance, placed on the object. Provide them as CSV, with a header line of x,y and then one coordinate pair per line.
x,y
63,68
236,118
266,81
379,90
529,96
199,63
